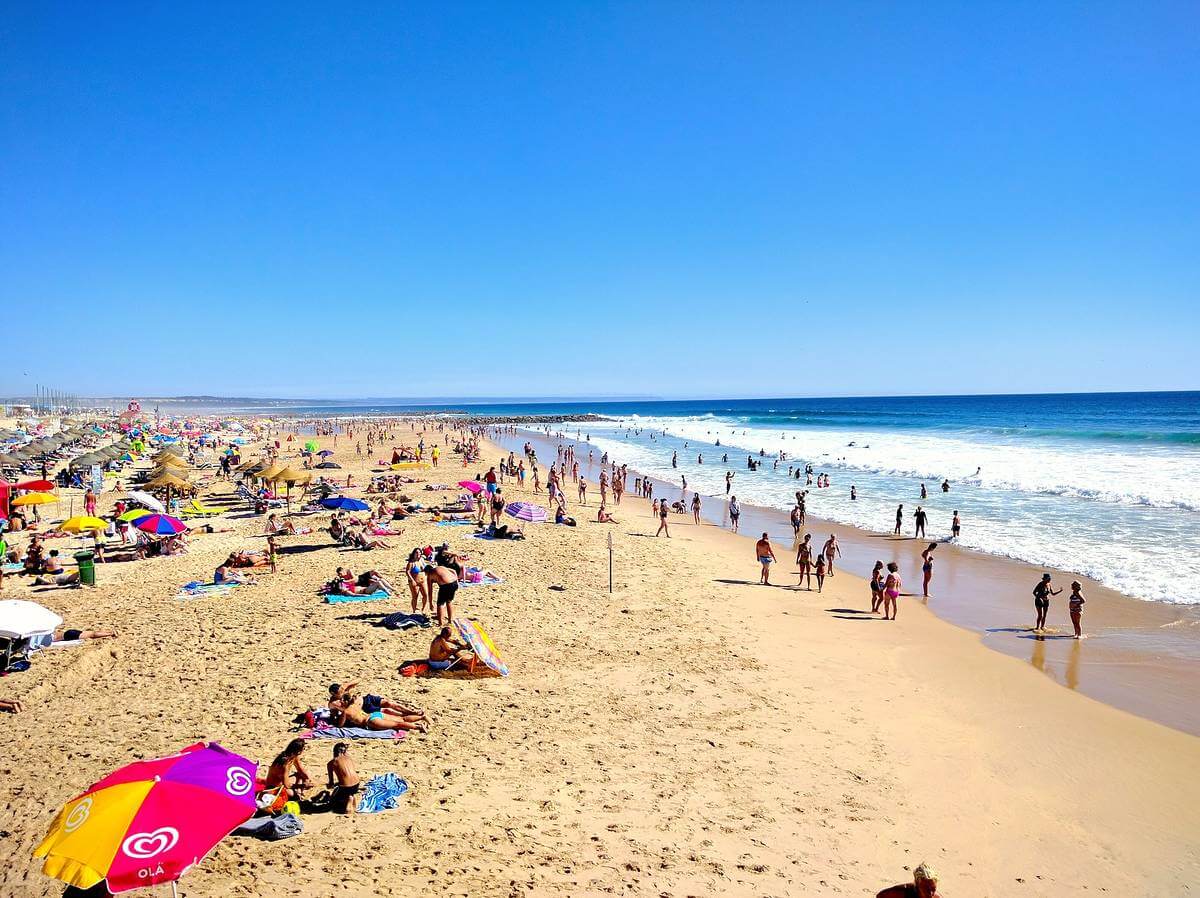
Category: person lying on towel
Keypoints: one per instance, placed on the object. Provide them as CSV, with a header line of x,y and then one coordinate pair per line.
x,y
351,712
345,694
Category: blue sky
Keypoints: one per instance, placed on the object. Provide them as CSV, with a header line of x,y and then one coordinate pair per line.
x,y
624,198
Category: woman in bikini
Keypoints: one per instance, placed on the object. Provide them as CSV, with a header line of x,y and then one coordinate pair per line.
x,y
414,571
804,560
891,590
287,772
876,586
927,568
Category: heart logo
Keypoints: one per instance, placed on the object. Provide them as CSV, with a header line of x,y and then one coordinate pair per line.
x,y
238,781
147,845
79,815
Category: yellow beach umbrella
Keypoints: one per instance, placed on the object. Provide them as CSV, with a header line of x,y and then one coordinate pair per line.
x,y
35,499
82,524
134,513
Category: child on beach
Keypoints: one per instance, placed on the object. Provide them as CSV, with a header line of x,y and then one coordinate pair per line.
x,y
820,572
1075,606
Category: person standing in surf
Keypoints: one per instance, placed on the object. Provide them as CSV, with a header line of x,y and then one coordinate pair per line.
x,y
1076,607
899,519
1041,601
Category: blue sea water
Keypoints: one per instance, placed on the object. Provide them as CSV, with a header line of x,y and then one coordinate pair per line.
x,y
1106,485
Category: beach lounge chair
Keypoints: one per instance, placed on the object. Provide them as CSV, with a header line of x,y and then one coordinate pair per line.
x,y
196,508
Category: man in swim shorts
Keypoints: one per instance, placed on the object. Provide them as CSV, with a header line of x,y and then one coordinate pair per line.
x,y
445,652
343,780
446,580
765,555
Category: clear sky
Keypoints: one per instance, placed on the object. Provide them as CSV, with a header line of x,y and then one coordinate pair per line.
x,y
600,198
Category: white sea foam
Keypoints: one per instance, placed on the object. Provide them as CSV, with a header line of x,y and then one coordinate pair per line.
x,y
1126,515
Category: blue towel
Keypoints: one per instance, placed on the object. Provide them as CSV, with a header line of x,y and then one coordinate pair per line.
x,y
455,523
352,733
367,597
382,793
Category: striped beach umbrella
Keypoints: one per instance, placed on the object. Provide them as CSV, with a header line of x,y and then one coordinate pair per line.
x,y
161,524
151,821
481,644
527,511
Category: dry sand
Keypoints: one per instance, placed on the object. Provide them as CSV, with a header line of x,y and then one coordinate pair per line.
x,y
690,734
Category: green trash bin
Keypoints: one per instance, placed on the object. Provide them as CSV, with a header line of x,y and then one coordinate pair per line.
x,y
87,568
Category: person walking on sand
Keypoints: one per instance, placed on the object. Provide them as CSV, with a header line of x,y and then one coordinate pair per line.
x,y
582,491
831,551
696,507
927,568
735,512
765,555
820,572
1041,601
663,510
804,560
1076,607
899,519
891,590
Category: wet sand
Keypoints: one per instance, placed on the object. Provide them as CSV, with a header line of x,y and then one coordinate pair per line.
x,y
1139,656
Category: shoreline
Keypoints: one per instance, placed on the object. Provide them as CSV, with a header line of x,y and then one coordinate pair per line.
x,y
1136,655
691,733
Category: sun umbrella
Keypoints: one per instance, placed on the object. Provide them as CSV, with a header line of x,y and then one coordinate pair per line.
x,y
344,503
35,499
325,453
20,619
161,524
143,498
481,644
151,821
41,486
133,514
171,459
471,486
526,511
81,524
269,473
167,480
311,446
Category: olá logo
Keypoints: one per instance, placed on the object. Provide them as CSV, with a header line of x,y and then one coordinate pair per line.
x,y
147,845
238,781
79,815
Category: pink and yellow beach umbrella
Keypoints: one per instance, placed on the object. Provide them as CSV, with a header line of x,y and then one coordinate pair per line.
x,y
151,821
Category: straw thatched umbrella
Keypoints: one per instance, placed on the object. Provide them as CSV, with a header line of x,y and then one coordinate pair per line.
x,y
171,460
291,476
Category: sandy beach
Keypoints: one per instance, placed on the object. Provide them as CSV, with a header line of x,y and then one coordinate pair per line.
x,y
691,733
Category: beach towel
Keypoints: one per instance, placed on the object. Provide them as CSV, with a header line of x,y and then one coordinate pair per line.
x,y
351,733
474,572
366,597
470,523
382,793
198,590
403,621
271,829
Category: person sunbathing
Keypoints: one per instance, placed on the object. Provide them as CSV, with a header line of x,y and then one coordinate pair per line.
x,y
248,559
275,527
603,517
343,781
359,540
287,772
344,692
12,706
561,517
367,582
54,574
446,652
924,885
72,635
225,573
348,712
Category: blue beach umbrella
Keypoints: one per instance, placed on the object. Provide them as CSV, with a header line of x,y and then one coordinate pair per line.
x,y
344,503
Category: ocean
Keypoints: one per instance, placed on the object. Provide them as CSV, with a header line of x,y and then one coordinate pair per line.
x,y
1103,484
